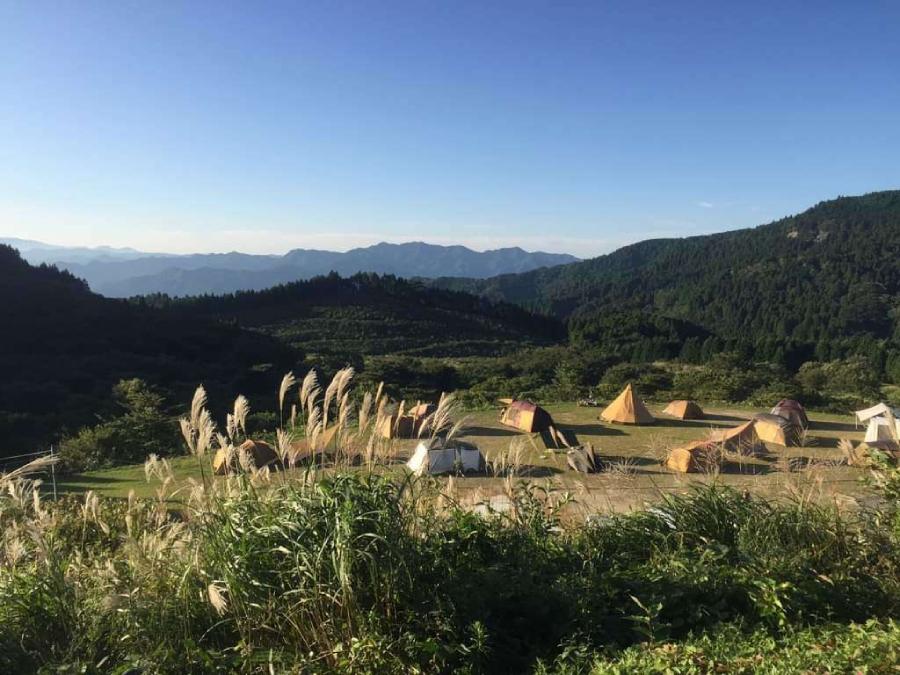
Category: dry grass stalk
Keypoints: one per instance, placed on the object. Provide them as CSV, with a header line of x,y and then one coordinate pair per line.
x,y
287,382
309,390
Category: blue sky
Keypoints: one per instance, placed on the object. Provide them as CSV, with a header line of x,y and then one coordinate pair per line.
x,y
562,126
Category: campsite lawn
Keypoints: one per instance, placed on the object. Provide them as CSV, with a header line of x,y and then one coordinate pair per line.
x,y
635,453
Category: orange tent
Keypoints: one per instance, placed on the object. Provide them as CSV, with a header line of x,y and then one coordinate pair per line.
x,y
259,454
627,409
684,410
693,457
525,416
776,429
742,438
407,425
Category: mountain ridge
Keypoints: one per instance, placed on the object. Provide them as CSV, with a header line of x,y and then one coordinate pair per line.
x,y
122,274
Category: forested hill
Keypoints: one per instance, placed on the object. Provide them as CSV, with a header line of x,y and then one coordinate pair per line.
x,y
832,271
62,348
369,314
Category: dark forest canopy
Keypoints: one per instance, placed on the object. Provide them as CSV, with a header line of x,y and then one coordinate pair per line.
x,y
63,348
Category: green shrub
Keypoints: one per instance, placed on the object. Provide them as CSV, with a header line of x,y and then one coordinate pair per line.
x,y
141,430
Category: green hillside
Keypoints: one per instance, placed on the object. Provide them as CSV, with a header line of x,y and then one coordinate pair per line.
x,y
367,314
829,270
825,280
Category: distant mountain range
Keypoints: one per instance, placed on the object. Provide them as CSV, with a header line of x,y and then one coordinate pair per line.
x,y
125,272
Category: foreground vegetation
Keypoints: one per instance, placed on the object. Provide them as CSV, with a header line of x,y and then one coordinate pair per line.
x,y
331,569
359,574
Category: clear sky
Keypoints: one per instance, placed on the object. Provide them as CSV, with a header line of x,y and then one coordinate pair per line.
x,y
562,126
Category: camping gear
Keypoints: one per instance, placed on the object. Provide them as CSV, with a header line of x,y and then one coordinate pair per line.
x,y
558,439
742,438
525,416
791,410
878,433
436,459
879,410
627,409
776,429
407,425
695,456
583,459
684,410
258,454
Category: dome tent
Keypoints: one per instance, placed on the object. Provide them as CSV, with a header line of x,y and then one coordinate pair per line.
x,y
408,424
742,438
257,454
694,457
684,410
454,457
776,429
525,416
791,410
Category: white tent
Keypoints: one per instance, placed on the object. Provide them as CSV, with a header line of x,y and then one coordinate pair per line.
x,y
461,457
878,433
874,411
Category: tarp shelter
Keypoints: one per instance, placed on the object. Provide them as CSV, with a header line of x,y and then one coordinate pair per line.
x,y
628,408
525,416
684,410
742,438
257,453
776,429
458,457
695,456
407,425
791,410
878,433
879,410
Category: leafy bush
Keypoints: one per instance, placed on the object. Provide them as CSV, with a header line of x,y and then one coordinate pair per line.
x,y
141,430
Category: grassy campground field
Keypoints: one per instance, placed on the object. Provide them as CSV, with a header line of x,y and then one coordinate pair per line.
x,y
634,454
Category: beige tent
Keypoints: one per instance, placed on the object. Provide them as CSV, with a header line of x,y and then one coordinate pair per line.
x,y
407,425
695,456
742,438
878,434
776,429
456,458
627,409
300,450
684,410
525,416
257,453
879,410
